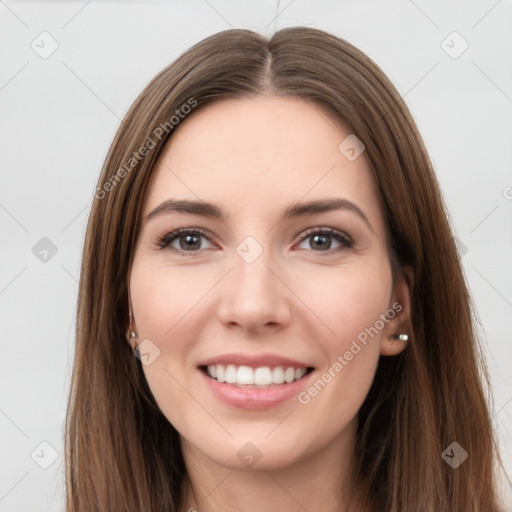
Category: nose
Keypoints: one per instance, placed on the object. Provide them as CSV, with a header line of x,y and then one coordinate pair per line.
x,y
254,296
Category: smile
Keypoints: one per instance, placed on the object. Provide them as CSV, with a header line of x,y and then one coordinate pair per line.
x,y
254,382
262,377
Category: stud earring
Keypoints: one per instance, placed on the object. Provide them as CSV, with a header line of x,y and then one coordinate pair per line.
x,y
132,335
400,337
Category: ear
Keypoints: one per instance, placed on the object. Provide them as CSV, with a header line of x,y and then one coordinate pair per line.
x,y
131,328
400,304
131,339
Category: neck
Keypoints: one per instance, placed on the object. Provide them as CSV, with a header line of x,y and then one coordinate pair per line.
x,y
322,481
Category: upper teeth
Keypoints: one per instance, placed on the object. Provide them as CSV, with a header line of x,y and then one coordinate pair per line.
x,y
261,376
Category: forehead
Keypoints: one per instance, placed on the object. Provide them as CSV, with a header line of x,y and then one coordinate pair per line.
x,y
254,154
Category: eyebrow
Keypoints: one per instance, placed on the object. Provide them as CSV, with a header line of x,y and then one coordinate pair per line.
x,y
294,210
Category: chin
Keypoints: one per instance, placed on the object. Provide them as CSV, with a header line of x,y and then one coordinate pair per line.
x,y
254,453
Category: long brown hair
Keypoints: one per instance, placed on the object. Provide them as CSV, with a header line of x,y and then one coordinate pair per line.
x,y
122,454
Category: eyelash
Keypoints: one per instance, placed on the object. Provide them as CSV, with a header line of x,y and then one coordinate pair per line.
x,y
345,241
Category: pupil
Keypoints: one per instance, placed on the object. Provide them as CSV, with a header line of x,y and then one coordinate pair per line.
x,y
324,238
191,242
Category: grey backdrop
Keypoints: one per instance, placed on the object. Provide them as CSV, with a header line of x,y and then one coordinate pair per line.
x,y
69,72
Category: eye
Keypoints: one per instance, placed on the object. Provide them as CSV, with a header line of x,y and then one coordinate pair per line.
x,y
321,238
188,240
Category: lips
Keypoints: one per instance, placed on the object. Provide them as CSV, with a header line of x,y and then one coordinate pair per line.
x,y
254,382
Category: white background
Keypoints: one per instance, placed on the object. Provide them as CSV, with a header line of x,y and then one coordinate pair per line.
x,y
59,115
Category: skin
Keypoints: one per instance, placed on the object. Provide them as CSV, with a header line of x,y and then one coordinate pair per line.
x,y
253,158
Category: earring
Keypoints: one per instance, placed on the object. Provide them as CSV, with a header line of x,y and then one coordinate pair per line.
x,y
132,335
400,337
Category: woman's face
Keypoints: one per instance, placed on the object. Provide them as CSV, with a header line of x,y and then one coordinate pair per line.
x,y
270,281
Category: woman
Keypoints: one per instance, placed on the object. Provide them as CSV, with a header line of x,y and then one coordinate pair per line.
x,y
272,313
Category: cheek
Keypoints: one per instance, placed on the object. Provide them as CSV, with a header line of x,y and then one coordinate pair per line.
x,y
349,301
163,297
163,304
350,305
